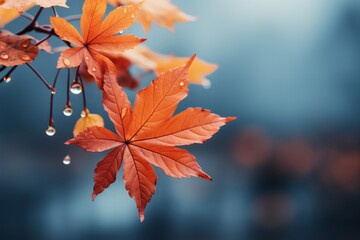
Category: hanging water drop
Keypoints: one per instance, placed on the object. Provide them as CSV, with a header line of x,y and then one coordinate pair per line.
x,y
84,113
121,31
206,84
76,88
53,91
68,111
50,131
7,79
67,160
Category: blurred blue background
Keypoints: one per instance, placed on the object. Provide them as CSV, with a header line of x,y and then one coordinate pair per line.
x,y
287,168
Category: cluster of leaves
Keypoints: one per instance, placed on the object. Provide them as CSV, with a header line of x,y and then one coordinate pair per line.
x,y
147,133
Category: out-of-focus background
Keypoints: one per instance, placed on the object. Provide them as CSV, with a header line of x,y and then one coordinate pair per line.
x,y
287,168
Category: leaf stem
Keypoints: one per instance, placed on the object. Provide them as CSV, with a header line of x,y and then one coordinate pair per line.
x,y
51,120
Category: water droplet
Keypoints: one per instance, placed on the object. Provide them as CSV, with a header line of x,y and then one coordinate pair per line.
x,y
25,57
123,112
76,88
4,56
25,44
50,131
7,79
67,62
93,69
67,160
125,10
121,31
206,83
84,113
68,111
132,16
182,84
53,91
87,58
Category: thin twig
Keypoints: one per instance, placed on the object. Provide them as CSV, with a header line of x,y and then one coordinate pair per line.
x,y
83,93
32,24
53,90
68,89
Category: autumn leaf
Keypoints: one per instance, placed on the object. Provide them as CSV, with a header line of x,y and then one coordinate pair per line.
x,y
97,42
147,59
16,50
8,15
86,121
162,12
125,79
147,134
22,5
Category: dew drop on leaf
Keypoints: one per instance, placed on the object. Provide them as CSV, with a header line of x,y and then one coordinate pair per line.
x,y
25,58
76,88
182,84
125,10
4,56
132,16
7,79
50,131
68,111
93,69
67,160
67,62
87,58
123,112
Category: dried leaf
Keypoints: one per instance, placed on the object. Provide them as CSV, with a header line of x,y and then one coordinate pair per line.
x,y
148,135
162,12
22,5
16,50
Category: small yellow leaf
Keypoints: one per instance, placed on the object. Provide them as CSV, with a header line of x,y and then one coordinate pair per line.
x,y
8,15
90,120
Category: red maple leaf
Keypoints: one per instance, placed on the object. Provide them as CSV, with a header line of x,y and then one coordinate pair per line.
x,y
148,135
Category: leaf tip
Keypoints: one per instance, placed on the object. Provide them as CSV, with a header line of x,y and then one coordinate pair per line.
x,y
205,176
143,40
141,215
191,60
93,196
230,119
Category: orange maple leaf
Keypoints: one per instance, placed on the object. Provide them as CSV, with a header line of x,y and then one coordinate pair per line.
x,y
97,42
148,135
147,59
162,12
